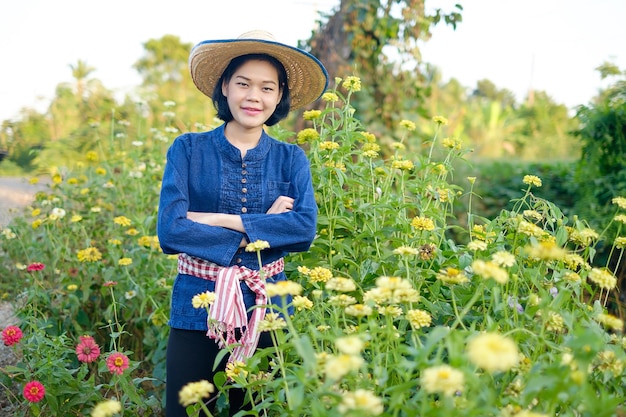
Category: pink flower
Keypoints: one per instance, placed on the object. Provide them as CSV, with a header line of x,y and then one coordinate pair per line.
x,y
117,363
87,350
110,284
11,335
35,266
34,391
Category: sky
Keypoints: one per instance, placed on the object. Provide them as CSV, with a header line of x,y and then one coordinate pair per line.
x,y
549,45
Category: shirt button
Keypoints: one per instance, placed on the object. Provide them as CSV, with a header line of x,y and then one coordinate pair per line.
x,y
244,172
244,165
244,190
238,260
243,200
243,180
244,210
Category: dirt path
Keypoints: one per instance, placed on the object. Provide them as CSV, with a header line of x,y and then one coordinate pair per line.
x,y
15,194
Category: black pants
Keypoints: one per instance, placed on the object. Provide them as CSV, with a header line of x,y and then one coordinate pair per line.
x,y
190,358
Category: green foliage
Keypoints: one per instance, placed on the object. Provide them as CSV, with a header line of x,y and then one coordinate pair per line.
x,y
393,316
601,172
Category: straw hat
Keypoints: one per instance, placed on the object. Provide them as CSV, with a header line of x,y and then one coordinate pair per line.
x,y
306,75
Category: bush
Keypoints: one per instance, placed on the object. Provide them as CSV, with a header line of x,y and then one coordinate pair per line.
x,y
393,317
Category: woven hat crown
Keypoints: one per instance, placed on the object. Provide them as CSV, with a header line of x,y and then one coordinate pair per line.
x,y
306,75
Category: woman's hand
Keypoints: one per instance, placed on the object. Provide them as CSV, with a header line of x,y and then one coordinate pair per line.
x,y
283,204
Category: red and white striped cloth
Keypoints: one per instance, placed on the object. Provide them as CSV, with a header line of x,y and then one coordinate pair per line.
x,y
228,312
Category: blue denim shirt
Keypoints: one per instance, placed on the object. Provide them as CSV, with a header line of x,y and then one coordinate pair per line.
x,y
205,173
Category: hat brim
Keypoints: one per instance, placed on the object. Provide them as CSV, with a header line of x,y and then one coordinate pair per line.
x,y
306,75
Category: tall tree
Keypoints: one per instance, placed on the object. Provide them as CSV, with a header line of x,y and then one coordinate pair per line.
x,y
378,40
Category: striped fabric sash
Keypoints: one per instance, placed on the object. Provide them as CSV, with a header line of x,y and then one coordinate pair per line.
x,y
228,312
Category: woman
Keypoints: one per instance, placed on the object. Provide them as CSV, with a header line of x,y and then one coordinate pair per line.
x,y
226,188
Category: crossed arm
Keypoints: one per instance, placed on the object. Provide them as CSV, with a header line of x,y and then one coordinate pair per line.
x,y
282,204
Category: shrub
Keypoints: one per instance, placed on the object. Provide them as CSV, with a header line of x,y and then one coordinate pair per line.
x,y
393,316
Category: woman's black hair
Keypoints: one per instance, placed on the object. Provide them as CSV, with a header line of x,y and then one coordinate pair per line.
x,y
221,104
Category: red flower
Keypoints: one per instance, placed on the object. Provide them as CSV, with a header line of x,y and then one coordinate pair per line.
x,y
87,350
11,335
117,363
34,391
35,266
110,284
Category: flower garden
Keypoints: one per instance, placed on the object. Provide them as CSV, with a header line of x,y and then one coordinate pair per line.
x,y
401,309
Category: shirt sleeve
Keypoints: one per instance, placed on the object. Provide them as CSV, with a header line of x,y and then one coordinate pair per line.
x,y
295,230
178,234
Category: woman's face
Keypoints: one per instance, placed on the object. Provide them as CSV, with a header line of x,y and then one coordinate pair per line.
x,y
253,93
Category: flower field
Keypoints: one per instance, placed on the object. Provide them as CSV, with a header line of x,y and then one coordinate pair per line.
x,y
400,310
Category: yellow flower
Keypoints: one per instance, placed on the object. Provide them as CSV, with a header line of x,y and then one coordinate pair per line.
x,y
503,258
272,321
124,261
423,223
620,242
603,278
101,171
307,135
493,352
405,251
369,137
419,318
335,367
302,303
583,237
358,310
72,287
620,201
236,369
328,145
554,322
452,276
452,143
330,97
106,408
91,156
36,223
488,269
440,120
122,221
311,114
340,284
283,288
530,229
352,83
36,212
532,180
89,254
341,300
363,402
407,124
620,218
115,242
76,218
349,345
319,274
546,250
610,321
476,245
132,231
194,392
403,165
442,379
256,246
34,180
203,300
